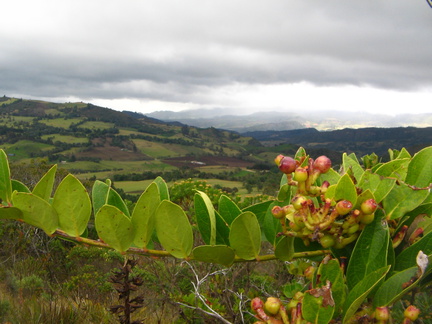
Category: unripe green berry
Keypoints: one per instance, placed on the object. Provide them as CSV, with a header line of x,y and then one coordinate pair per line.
x,y
300,174
278,212
368,206
411,312
322,164
327,241
353,228
343,207
272,305
298,202
287,165
382,314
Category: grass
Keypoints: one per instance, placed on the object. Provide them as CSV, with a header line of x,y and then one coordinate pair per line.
x,y
69,139
61,122
96,125
24,149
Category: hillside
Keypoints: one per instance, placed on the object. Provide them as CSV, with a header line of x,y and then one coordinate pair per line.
x,y
94,140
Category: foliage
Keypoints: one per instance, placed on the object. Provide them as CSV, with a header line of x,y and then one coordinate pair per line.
x,y
368,230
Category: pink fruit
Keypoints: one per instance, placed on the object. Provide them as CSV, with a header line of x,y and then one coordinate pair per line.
x,y
322,163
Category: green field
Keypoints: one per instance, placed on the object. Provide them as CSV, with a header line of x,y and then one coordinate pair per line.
x,y
69,139
96,125
61,122
24,149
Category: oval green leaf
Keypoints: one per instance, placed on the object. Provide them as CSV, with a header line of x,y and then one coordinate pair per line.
x,y
346,189
36,211
143,215
228,209
245,236
5,180
285,248
45,185
114,228
420,169
370,251
219,254
174,230
73,206
205,216
10,213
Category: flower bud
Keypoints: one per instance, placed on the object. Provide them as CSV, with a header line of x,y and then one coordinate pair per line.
x,y
367,219
368,206
287,164
322,164
298,201
411,312
343,207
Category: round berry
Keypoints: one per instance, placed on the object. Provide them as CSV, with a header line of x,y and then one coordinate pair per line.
x,y
327,241
272,305
368,206
300,174
343,207
322,163
287,165
256,303
411,312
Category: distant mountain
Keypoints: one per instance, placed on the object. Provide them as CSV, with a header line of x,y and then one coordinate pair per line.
x,y
360,141
262,121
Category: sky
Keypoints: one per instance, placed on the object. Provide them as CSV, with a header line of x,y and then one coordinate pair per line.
x,y
242,55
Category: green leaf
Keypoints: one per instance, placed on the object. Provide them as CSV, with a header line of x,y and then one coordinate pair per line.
x,y
5,180
10,213
222,230
36,211
370,251
45,185
163,188
205,215
407,258
228,209
174,230
420,169
331,176
143,219
361,290
219,254
114,228
403,199
271,225
72,204
332,272
379,185
245,236
19,186
393,288
346,189
260,210
285,248
394,169
114,199
99,195
351,163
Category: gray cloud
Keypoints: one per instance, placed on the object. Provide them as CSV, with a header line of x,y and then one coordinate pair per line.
x,y
177,50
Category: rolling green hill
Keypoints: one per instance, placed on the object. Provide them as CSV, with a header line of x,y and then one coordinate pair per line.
x,y
95,141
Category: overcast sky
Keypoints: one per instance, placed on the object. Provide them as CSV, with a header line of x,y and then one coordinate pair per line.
x,y
246,55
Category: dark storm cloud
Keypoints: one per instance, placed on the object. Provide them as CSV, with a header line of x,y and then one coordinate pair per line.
x,y
175,50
